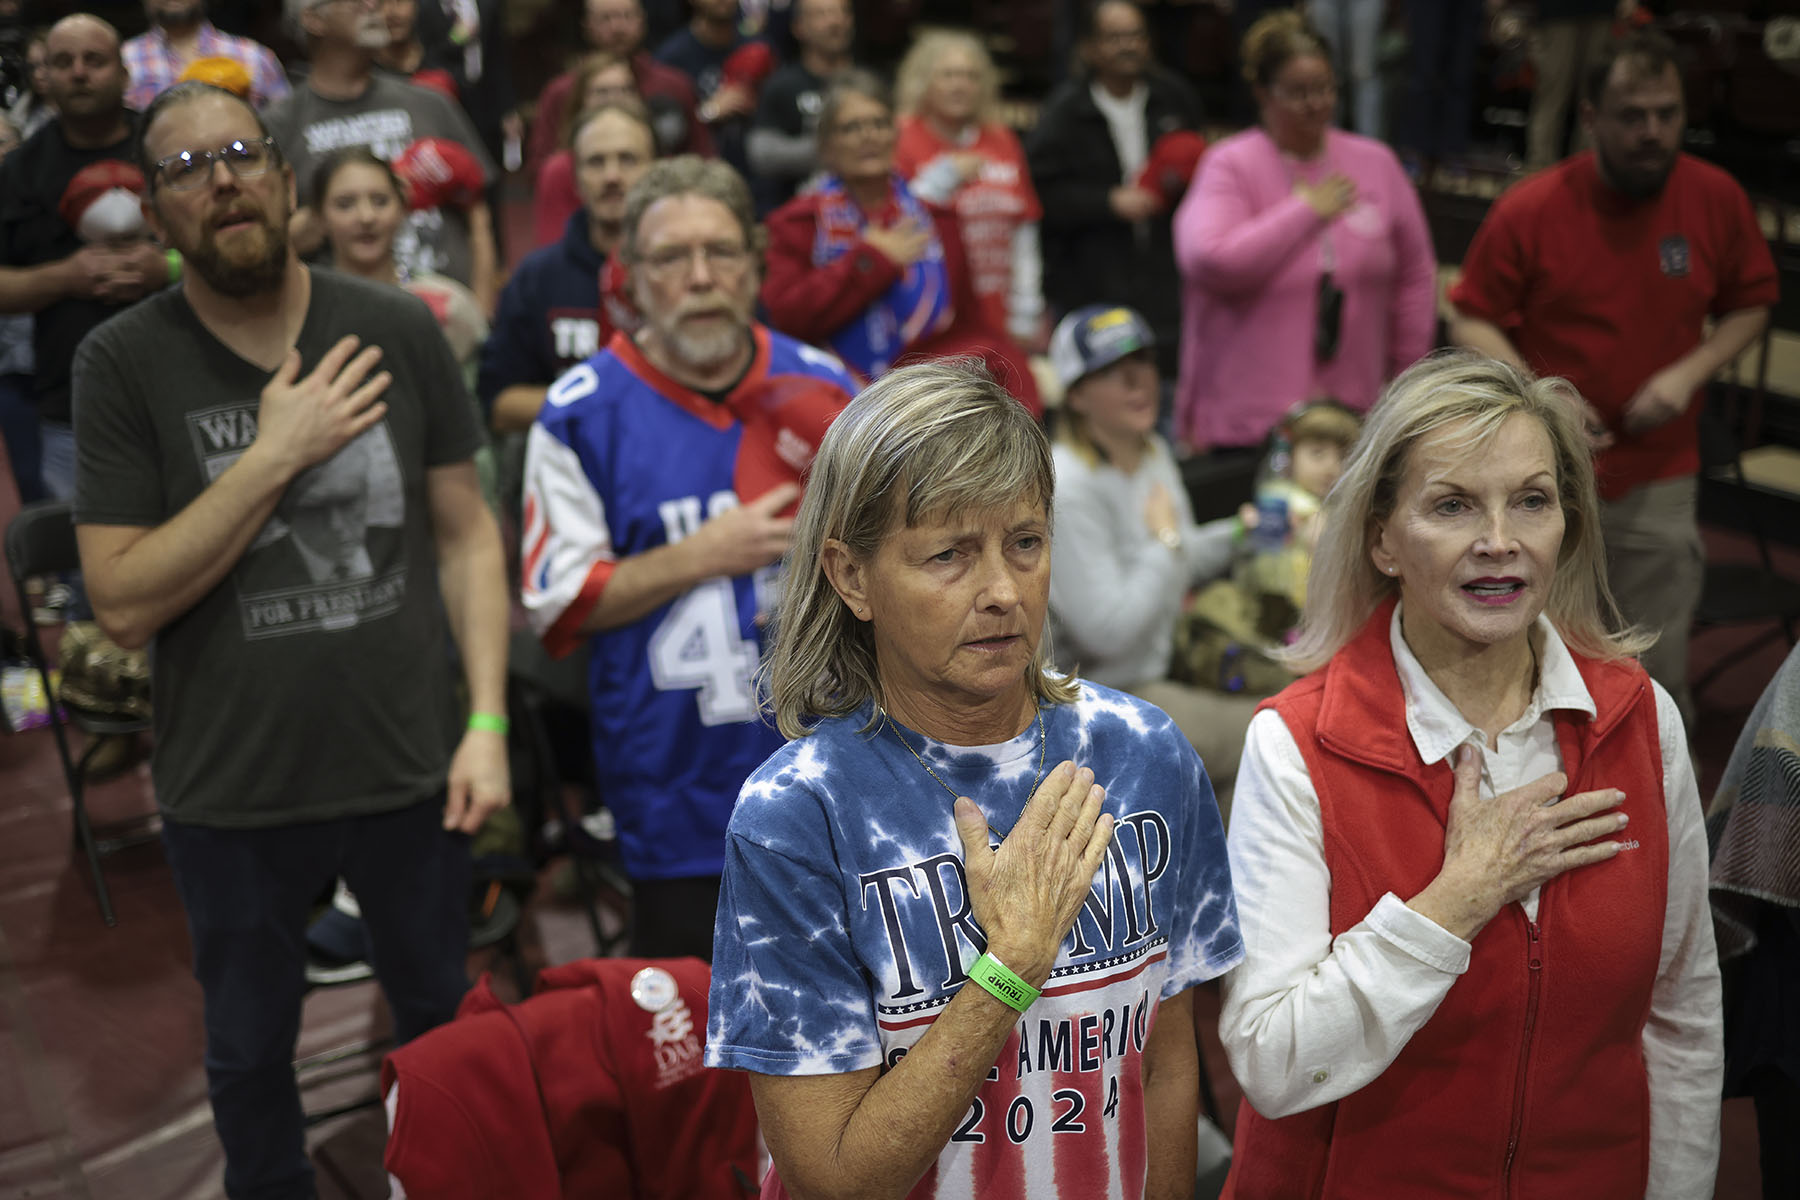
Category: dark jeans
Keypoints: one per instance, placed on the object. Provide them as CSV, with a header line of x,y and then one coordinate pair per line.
x,y
1440,76
248,895
19,427
1777,1118
673,918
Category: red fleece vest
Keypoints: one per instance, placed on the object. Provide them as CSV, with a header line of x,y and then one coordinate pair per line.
x,y
1529,1079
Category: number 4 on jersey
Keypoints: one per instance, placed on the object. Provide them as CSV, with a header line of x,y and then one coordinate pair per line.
x,y
698,646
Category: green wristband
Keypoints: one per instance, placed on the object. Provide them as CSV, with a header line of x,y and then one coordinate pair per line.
x,y
173,258
489,723
996,978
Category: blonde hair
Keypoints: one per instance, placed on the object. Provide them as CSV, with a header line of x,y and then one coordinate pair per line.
x,y
1274,39
914,76
1458,388
1071,430
922,443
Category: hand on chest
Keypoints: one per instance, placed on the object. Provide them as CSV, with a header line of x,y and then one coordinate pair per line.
x,y
918,927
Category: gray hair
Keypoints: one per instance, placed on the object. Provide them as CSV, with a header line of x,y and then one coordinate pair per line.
x,y
1458,387
689,174
922,443
845,84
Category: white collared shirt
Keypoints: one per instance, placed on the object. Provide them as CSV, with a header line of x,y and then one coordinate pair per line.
x,y
1308,1019
1126,120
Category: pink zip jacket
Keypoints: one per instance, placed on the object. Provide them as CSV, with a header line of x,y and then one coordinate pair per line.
x,y
1251,253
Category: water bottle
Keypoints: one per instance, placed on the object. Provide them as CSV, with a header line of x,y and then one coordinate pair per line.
x,y
1271,532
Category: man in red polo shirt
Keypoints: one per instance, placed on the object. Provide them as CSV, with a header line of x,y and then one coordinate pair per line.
x,y
1605,270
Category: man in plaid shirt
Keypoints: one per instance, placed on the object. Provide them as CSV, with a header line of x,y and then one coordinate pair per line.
x,y
180,33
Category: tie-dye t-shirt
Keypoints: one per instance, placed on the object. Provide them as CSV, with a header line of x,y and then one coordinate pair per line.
x,y
845,928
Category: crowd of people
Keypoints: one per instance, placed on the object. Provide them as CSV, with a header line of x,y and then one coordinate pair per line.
x,y
841,430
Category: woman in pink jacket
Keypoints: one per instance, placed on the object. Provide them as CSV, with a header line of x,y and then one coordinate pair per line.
x,y
1306,264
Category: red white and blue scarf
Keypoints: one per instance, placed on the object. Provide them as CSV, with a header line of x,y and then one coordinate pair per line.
x,y
917,305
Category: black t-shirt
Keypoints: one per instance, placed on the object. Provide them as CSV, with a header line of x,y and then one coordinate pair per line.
x,y
789,105
387,118
313,681
791,100
703,64
33,179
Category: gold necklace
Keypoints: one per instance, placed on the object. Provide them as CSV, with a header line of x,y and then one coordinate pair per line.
x,y
895,730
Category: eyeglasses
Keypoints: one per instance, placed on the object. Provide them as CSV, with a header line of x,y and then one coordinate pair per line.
x,y
667,262
1306,95
861,126
245,159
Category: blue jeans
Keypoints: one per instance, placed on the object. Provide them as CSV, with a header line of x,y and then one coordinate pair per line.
x,y
248,895
57,466
56,470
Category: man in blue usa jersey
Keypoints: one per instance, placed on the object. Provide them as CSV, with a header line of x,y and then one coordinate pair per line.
x,y
660,479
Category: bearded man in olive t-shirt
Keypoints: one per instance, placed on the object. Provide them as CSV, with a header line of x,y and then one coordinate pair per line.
x,y
274,484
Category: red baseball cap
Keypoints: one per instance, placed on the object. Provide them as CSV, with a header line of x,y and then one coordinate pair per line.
x,y
1171,164
439,172
749,65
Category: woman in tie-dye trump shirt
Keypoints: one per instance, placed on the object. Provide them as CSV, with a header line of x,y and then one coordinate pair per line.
x,y
964,908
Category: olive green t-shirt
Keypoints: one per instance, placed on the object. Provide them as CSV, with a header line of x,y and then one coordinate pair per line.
x,y
313,681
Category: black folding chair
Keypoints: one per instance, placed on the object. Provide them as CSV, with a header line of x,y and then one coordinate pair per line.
x,y
39,542
1741,593
556,821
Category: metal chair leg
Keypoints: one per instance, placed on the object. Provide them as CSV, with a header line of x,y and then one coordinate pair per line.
x,y
587,882
84,833
73,775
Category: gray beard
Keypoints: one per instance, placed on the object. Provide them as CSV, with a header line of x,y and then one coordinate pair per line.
x,y
705,350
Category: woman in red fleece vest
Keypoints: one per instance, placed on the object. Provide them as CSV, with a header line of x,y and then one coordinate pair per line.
x,y
1467,848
